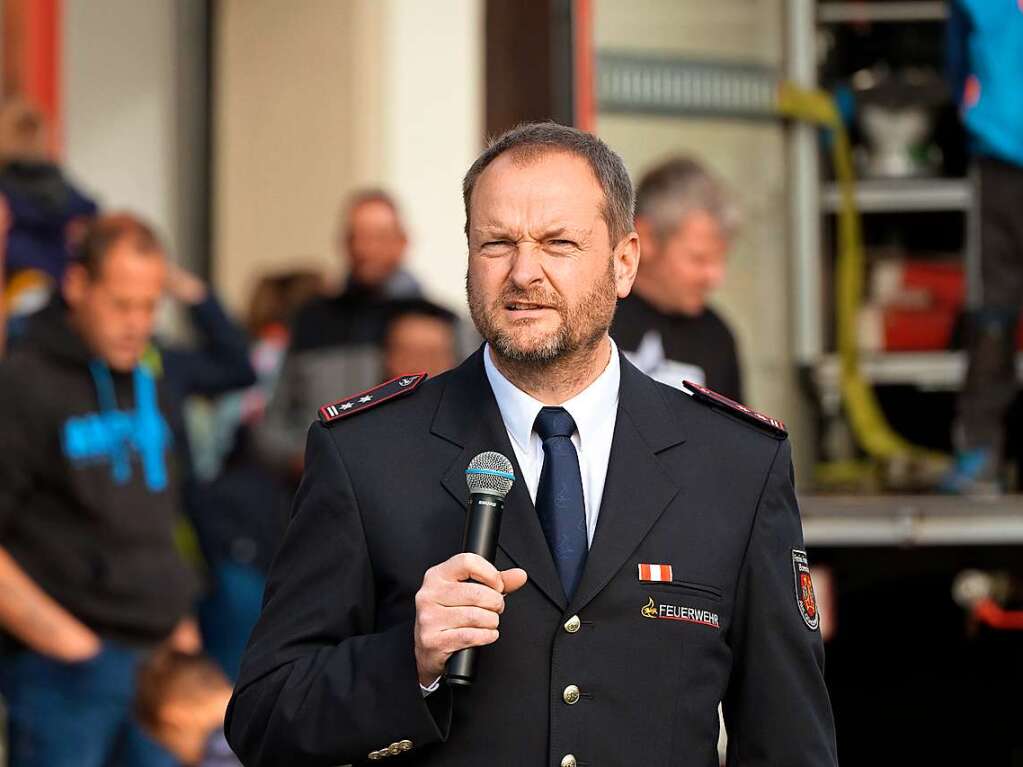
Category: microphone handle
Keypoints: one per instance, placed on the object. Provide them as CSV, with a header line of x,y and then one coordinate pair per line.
x,y
482,526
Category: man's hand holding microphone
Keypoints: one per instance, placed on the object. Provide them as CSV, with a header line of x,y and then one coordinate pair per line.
x,y
460,603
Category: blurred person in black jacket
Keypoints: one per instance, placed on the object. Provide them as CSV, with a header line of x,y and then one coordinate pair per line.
x,y
89,495
336,341
686,223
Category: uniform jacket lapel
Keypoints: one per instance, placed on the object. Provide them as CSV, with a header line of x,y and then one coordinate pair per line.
x,y
637,489
468,416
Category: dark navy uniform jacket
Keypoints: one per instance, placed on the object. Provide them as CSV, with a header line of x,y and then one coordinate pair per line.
x,y
330,678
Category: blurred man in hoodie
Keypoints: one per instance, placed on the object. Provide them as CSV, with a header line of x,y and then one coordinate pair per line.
x,y
91,577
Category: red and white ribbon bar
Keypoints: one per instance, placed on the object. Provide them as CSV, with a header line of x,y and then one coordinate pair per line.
x,y
655,573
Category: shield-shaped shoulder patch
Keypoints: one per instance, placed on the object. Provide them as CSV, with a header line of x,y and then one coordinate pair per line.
x,y
805,599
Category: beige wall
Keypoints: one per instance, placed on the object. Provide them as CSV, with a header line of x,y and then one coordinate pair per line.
x,y
282,137
750,156
435,130
130,111
318,98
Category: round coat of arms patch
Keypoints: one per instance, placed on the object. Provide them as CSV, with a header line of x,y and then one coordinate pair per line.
x,y
805,599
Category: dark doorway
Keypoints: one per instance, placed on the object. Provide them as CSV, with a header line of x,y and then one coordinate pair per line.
x,y
529,74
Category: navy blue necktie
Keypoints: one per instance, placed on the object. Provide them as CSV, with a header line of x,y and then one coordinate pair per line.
x,y
559,496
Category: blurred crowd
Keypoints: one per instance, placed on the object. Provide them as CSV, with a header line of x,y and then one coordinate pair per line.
x,y
146,482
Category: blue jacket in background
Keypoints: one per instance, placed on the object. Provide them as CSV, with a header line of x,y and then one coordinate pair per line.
x,y
985,68
42,204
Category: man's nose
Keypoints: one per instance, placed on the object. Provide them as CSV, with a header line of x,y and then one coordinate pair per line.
x,y
526,268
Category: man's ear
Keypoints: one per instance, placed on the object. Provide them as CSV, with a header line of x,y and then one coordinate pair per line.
x,y
626,262
75,285
647,238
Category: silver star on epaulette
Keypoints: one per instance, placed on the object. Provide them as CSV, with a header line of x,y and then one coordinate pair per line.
x,y
367,398
346,406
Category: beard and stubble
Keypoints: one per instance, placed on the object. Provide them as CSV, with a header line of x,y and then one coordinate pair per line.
x,y
583,324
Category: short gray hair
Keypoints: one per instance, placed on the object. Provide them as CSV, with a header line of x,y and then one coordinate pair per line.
x,y
533,140
673,189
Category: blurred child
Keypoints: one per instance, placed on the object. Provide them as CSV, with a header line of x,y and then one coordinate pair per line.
x,y
181,701
421,337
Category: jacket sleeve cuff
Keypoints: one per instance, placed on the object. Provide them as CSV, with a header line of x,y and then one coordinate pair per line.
x,y
428,717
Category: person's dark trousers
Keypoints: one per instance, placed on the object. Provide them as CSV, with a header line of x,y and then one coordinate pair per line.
x,y
76,714
990,379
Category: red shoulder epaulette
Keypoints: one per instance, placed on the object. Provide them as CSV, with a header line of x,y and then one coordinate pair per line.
x,y
773,426
396,387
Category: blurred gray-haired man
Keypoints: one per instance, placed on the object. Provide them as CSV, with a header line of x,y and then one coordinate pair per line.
x,y
686,222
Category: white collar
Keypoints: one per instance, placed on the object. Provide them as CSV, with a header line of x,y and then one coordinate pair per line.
x,y
588,408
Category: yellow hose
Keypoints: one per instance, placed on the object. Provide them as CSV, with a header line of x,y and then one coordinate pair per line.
x,y
870,428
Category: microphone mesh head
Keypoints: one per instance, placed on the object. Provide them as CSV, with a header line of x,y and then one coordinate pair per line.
x,y
490,473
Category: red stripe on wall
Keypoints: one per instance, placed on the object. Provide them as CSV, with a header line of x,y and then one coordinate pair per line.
x,y
41,62
582,31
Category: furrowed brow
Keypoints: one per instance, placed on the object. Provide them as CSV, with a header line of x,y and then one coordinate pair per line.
x,y
563,233
491,231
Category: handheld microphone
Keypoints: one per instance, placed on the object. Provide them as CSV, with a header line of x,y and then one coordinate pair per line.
x,y
489,477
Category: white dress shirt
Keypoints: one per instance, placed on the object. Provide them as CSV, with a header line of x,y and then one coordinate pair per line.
x,y
594,411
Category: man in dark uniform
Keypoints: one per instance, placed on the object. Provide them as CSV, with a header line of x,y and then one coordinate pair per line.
x,y
659,532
